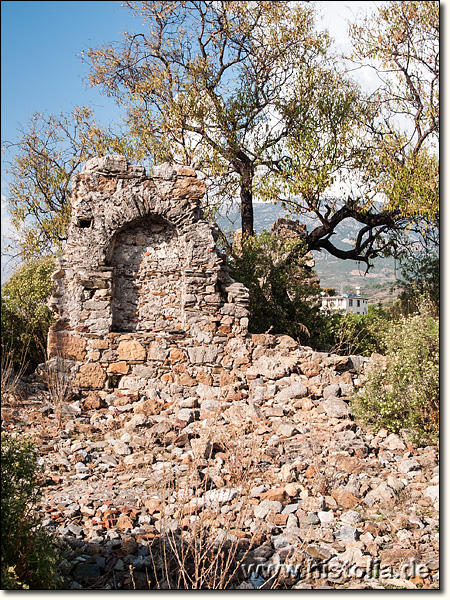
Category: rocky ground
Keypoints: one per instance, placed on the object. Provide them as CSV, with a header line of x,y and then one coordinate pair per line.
x,y
276,486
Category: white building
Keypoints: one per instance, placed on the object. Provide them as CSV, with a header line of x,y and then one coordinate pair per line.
x,y
346,303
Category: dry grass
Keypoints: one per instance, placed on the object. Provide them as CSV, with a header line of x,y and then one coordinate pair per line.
x,y
59,388
10,377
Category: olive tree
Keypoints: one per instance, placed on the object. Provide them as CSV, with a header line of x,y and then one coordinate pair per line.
x,y
205,83
50,149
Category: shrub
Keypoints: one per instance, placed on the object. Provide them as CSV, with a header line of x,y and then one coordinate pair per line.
x,y
282,298
350,333
404,394
25,316
28,554
421,277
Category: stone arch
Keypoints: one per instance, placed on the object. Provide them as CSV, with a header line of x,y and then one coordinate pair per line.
x,y
147,258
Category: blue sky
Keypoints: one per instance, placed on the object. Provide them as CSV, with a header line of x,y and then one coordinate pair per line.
x,y
41,68
41,42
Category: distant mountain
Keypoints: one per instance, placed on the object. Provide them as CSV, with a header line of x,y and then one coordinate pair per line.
x,y
342,275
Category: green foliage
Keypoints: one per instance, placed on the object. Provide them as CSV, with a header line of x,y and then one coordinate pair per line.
x,y
404,392
401,42
49,151
208,84
25,317
421,277
28,554
281,297
350,333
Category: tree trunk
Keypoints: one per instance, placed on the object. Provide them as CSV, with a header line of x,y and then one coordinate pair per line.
x,y
247,200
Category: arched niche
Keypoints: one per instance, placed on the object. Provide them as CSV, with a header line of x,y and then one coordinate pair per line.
x,y
147,260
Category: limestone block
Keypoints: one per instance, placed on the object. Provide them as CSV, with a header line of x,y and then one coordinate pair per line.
x,y
106,185
185,379
263,339
237,292
189,189
157,352
114,163
335,407
271,367
121,367
310,368
234,310
90,376
177,355
228,378
204,377
202,354
164,171
292,392
66,346
185,172
99,344
131,350
286,342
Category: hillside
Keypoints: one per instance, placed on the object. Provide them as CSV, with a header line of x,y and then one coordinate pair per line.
x,y
334,273
266,483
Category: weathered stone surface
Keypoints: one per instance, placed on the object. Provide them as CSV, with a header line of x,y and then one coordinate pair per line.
x,y
432,491
347,533
310,368
138,459
190,188
336,408
268,507
131,351
382,495
90,376
177,355
407,465
295,391
333,390
121,367
157,352
286,429
309,497
345,498
271,367
94,401
108,164
66,346
124,522
202,354
164,171
393,442
141,265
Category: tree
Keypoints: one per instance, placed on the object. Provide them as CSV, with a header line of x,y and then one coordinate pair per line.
x,y
421,279
206,84
401,44
382,149
50,150
248,93
283,292
25,316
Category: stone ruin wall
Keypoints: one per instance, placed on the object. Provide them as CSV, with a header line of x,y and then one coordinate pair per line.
x,y
141,290
145,304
